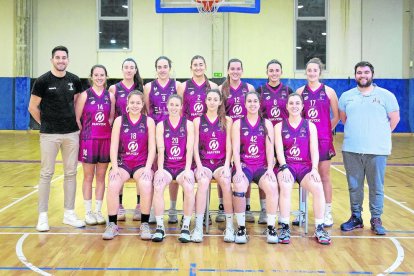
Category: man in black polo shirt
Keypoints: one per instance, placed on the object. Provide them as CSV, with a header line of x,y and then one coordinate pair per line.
x,y
52,106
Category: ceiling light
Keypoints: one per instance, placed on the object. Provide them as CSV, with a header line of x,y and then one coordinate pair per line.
x,y
309,41
113,41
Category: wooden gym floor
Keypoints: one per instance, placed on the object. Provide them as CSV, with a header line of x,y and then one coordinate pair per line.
x,y
65,250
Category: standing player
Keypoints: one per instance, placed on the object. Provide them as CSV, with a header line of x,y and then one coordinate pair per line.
x,y
175,142
212,155
234,90
156,95
95,109
131,81
297,152
132,156
52,106
319,101
253,155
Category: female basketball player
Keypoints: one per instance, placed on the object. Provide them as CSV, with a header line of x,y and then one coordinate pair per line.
x,y
253,154
95,109
132,156
234,90
212,155
297,153
175,142
319,102
131,81
156,94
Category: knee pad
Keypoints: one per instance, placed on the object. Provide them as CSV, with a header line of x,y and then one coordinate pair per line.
x,y
239,194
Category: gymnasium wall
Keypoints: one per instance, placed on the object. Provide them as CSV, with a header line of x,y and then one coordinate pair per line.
x,y
374,30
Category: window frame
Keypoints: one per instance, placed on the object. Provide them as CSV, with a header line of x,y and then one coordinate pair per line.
x,y
310,18
114,18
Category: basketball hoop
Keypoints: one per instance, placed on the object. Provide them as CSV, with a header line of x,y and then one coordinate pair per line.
x,y
208,7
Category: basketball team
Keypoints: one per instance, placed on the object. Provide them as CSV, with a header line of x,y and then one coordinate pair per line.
x,y
168,133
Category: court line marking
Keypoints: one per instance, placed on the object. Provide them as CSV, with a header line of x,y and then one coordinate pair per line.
x,y
385,196
22,258
398,261
34,191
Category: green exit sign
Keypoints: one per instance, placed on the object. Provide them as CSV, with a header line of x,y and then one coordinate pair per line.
x,y
218,75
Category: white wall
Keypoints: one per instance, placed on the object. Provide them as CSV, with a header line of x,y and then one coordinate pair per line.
x,y
380,34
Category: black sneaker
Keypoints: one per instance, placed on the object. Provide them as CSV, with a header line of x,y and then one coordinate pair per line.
x,y
352,223
209,220
159,234
376,226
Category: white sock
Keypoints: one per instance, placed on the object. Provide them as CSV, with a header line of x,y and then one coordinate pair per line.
x,y
88,205
199,220
173,204
186,222
284,220
318,222
229,221
262,204
271,220
247,200
220,200
328,208
241,219
98,205
160,221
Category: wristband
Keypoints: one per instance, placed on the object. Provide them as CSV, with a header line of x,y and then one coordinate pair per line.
x,y
283,167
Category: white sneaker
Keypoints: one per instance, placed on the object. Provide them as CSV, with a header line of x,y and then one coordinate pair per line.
x,y
110,232
100,218
229,234
197,235
241,236
271,235
145,232
42,222
328,220
159,234
172,216
137,213
121,213
70,218
262,217
152,219
90,218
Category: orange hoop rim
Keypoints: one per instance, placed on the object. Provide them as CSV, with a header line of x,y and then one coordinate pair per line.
x,y
208,5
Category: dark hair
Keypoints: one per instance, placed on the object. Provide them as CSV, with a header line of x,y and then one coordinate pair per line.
x,y
93,68
138,93
318,62
204,60
221,111
273,61
139,84
163,57
364,64
295,94
176,96
225,88
60,48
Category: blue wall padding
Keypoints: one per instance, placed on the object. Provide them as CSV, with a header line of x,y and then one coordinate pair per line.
x,y
411,105
21,99
6,103
403,90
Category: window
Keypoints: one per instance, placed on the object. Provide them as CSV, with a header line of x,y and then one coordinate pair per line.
x,y
310,31
114,24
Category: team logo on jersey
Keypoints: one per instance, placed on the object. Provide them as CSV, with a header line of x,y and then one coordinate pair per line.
x,y
70,86
261,129
275,112
214,144
132,146
237,109
175,151
85,152
99,117
156,93
313,113
253,150
268,98
198,107
305,98
167,135
191,92
206,129
122,95
126,130
287,136
294,151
